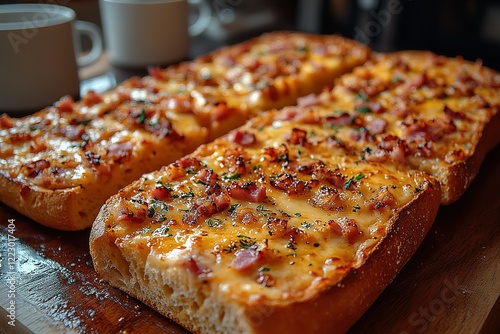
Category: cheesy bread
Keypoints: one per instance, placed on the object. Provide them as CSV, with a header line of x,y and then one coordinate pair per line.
x,y
58,166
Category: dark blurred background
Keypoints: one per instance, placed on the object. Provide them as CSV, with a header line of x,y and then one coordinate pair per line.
x,y
470,28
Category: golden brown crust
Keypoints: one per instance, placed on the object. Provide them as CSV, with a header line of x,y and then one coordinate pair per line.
x,y
461,174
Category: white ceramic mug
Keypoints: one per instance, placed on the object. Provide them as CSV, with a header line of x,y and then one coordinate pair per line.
x,y
38,62
138,33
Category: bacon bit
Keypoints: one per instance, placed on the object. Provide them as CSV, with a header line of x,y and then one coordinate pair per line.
x,y
160,193
276,226
128,215
249,191
343,119
292,185
248,258
287,114
346,228
65,104
246,216
308,101
454,114
174,171
383,199
376,126
297,137
221,111
336,179
241,137
188,162
36,167
433,130
417,82
91,98
389,147
335,228
277,154
120,152
360,134
37,145
6,122
208,177
72,132
195,267
311,166
206,207
327,198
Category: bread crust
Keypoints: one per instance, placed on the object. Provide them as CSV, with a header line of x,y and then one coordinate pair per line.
x,y
461,174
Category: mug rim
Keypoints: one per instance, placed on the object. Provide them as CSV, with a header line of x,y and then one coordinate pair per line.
x,y
54,15
139,2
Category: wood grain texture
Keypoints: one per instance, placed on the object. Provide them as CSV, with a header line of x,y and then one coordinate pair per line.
x,y
451,285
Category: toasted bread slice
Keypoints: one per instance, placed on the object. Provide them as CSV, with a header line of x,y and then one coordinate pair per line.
x,y
414,108
264,230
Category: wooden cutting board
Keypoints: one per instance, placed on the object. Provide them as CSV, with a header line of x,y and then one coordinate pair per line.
x,y
451,285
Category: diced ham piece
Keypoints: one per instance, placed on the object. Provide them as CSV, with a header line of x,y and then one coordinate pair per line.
x,y
297,137
91,98
376,126
241,137
36,167
160,193
207,176
248,258
6,122
205,207
308,101
249,191
128,213
346,228
65,104
343,119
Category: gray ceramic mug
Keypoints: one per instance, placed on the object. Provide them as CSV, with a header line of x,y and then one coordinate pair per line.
x,y
38,55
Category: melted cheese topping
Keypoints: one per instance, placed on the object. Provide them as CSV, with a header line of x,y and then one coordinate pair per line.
x,y
322,213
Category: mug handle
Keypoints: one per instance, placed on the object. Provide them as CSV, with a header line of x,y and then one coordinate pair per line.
x,y
93,32
204,18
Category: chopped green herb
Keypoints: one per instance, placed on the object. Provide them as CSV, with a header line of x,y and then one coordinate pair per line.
x,y
142,117
356,208
246,242
361,96
235,176
264,269
363,110
297,214
233,207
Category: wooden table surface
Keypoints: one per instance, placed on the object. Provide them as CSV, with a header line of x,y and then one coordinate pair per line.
x,y
451,285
